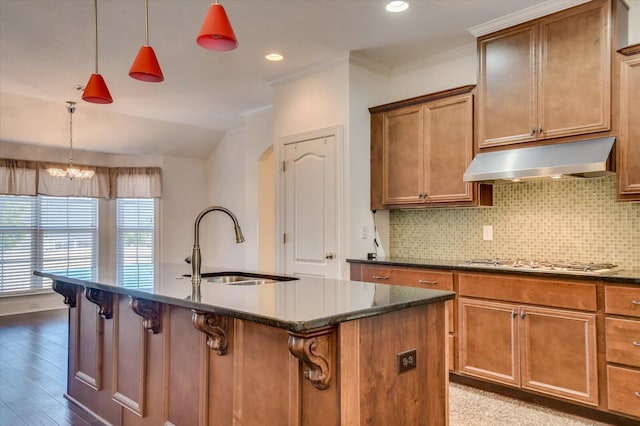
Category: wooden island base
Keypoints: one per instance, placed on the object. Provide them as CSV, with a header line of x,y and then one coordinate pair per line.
x,y
139,362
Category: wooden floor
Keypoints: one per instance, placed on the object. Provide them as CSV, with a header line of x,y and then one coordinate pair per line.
x,y
33,369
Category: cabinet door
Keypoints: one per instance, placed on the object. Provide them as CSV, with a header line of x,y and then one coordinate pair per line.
x,y
575,71
558,350
629,140
507,104
402,156
449,145
488,345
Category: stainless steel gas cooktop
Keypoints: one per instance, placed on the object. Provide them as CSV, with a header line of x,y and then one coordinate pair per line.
x,y
574,268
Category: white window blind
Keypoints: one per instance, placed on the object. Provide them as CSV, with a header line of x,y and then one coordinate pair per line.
x,y
135,242
52,234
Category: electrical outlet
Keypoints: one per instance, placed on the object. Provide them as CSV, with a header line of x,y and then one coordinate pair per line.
x,y
364,232
487,232
406,361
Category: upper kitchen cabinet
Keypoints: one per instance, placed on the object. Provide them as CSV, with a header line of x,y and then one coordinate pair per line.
x,y
629,136
420,148
548,78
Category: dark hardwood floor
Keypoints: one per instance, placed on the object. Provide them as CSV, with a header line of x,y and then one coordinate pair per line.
x,y
33,369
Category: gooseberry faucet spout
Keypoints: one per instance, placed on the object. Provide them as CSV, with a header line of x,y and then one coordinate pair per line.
x,y
195,255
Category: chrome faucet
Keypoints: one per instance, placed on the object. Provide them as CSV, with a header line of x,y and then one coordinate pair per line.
x,y
195,255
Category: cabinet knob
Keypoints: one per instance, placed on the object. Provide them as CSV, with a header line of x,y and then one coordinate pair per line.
x,y
514,314
635,302
540,130
329,256
522,314
636,393
635,343
533,131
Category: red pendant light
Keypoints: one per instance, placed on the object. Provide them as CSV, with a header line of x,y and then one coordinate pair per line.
x,y
146,67
216,32
96,90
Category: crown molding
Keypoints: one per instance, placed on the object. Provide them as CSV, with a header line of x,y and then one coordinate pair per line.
x,y
311,70
256,111
537,11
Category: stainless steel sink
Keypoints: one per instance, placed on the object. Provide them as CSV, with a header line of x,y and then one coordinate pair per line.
x,y
240,278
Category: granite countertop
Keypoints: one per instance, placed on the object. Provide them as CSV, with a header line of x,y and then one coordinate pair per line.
x,y
623,276
296,305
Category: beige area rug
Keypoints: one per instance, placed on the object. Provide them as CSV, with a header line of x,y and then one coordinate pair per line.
x,y
473,407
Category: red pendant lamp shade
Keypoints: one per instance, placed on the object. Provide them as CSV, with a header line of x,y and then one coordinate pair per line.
x,y
97,91
216,32
146,67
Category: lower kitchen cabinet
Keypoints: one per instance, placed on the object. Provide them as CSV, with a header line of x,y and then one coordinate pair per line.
x,y
622,328
412,277
551,351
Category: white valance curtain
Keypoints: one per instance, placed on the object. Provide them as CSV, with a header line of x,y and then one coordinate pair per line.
x,y
18,177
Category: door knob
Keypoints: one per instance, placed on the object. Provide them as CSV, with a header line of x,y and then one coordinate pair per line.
x,y
328,255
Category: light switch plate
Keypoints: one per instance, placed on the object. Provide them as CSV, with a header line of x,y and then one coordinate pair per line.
x,y
487,232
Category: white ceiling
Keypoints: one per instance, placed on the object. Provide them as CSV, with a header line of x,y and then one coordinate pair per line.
x,y
47,49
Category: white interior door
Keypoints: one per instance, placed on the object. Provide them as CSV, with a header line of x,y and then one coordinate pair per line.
x,y
311,225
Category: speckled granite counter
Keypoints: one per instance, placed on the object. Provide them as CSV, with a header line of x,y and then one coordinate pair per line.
x,y
624,276
296,305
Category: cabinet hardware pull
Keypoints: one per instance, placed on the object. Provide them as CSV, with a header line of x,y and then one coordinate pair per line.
x,y
428,282
380,277
540,130
635,343
514,314
637,394
522,314
533,131
635,302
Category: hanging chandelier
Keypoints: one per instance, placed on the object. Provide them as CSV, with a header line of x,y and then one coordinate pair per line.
x,y
71,172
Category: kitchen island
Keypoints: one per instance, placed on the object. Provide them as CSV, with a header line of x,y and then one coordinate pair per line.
x,y
306,351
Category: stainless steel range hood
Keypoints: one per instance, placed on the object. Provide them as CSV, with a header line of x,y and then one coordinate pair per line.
x,y
588,158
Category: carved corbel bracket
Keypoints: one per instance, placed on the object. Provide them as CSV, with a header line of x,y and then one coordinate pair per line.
x,y
149,311
215,327
315,351
68,291
103,299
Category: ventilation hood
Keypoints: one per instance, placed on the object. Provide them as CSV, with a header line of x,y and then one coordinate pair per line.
x,y
588,158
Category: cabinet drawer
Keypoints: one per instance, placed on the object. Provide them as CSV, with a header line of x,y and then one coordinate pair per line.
x,y
532,291
624,390
622,300
412,277
623,341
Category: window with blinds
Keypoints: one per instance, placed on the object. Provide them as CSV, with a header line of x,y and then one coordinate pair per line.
x,y
52,234
135,241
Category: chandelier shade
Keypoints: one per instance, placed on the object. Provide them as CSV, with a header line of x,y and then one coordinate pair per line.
x,y
96,90
216,32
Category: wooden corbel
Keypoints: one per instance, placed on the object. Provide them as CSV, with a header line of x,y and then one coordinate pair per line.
x,y
68,291
149,311
104,300
315,350
215,327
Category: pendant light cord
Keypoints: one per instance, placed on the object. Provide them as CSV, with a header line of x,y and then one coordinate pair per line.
x,y
95,8
146,22
71,108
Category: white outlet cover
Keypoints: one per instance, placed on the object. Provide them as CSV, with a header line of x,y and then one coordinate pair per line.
x,y
487,232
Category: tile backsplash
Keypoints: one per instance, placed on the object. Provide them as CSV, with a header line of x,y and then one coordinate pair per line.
x,y
571,220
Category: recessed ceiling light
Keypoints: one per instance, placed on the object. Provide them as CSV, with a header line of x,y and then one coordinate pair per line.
x,y
274,57
397,6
